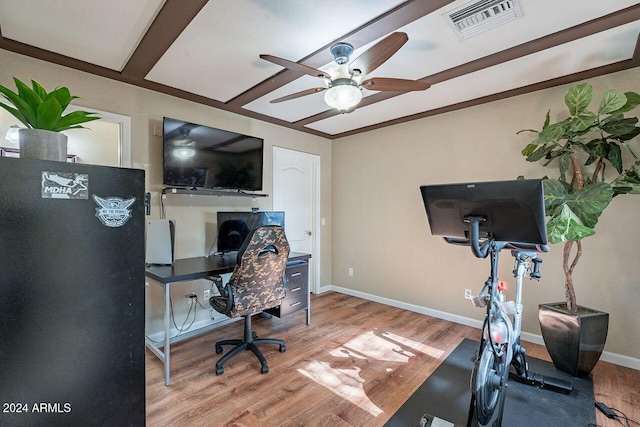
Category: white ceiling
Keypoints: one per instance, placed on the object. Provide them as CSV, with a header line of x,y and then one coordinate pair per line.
x,y
208,51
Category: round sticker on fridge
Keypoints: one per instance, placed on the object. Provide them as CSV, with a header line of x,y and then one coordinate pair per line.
x,y
113,211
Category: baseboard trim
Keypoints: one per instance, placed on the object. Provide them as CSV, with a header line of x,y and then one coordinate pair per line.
x,y
617,359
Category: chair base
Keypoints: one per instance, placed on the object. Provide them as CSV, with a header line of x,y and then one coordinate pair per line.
x,y
250,342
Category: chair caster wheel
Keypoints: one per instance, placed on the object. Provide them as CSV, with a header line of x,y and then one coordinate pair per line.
x,y
219,371
264,369
283,348
218,349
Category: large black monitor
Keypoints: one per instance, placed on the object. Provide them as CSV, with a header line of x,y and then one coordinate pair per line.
x,y
513,211
234,227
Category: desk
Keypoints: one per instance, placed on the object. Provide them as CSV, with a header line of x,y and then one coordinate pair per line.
x,y
187,269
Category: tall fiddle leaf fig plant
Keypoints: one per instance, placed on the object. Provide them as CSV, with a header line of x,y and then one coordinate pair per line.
x,y
582,146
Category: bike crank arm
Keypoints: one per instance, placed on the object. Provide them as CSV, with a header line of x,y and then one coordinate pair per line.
x,y
544,382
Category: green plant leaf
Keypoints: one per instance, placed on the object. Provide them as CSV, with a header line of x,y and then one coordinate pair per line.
x,y
610,101
629,136
27,112
28,95
552,133
620,126
547,119
592,199
16,113
578,98
37,88
567,226
629,182
633,100
582,121
555,193
529,149
74,118
615,156
48,114
538,154
63,96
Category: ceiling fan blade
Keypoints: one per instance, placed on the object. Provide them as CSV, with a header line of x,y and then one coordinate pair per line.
x,y
298,94
376,55
294,66
394,85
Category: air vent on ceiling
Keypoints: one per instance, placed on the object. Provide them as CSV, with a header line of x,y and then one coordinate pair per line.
x,y
478,16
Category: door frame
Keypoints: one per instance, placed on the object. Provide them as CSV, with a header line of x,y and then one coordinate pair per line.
x,y
314,285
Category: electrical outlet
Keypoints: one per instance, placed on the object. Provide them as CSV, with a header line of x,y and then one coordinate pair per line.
x,y
205,294
467,294
191,296
351,272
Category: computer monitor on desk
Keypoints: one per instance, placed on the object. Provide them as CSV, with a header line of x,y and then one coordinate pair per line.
x,y
234,227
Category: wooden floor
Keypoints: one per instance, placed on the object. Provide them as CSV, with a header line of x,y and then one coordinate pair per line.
x,y
355,365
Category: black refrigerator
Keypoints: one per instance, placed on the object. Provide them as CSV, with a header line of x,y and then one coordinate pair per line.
x,y
71,294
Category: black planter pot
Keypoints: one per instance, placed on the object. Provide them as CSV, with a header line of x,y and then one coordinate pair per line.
x,y
574,341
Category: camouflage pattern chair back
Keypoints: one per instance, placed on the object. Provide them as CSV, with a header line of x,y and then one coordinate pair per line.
x,y
257,282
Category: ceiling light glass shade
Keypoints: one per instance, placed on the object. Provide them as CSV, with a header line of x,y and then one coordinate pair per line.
x,y
12,134
343,96
184,152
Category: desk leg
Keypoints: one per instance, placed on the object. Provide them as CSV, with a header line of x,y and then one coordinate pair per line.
x,y
308,307
167,338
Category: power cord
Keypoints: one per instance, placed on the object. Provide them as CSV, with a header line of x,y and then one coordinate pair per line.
x,y
625,418
614,414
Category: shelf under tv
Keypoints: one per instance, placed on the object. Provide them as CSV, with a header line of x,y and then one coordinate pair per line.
x,y
211,192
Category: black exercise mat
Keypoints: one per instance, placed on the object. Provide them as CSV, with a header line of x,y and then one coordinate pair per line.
x,y
446,395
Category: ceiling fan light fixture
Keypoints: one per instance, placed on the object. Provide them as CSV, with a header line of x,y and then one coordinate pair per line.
x,y
343,95
341,52
184,153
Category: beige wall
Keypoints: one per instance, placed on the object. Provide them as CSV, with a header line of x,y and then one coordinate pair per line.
x,y
370,197
195,216
381,230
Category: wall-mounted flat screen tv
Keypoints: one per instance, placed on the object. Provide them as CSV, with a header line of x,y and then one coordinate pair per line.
x,y
197,156
234,227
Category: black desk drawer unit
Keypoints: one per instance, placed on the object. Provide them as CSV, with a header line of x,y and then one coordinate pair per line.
x,y
297,286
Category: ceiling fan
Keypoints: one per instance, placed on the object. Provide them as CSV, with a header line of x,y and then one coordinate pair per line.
x,y
344,88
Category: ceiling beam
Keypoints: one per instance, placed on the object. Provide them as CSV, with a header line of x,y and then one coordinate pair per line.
x,y
570,78
169,23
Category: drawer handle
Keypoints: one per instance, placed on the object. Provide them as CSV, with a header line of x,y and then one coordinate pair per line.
x,y
296,289
296,274
295,303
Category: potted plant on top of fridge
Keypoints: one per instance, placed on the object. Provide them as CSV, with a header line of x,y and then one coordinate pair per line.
x,y
43,115
582,145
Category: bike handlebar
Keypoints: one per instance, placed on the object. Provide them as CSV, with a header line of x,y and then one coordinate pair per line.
x,y
481,249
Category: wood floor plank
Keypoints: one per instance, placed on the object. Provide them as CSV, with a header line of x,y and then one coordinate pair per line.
x,y
355,365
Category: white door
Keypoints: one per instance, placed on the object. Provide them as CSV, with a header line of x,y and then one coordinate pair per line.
x,y
296,192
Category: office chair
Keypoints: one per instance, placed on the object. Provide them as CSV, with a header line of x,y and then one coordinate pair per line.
x,y
256,284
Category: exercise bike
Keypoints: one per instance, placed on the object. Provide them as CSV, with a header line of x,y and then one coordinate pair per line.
x,y
500,355
490,217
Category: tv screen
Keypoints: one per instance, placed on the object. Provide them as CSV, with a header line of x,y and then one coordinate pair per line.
x,y
234,227
197,156
513,210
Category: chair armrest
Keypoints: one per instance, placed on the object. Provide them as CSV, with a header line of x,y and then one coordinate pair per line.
x,y
222,303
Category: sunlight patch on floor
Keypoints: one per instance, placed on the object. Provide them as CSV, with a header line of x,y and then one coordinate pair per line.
x,y
371,346
346,383
418,346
